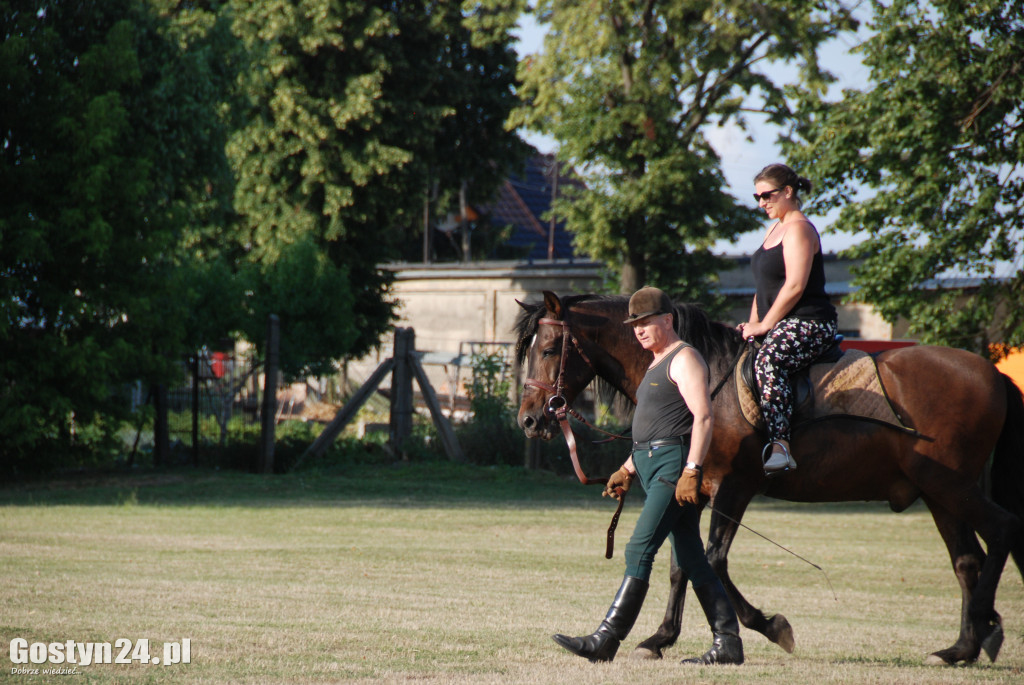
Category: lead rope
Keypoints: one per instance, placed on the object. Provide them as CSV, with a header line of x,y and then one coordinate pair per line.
x,y
560,409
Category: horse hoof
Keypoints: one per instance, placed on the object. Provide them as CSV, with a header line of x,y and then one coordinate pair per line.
x,y
645,654
781,633
993,642
935,660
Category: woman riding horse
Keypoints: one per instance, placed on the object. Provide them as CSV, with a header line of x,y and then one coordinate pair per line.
x,y
791,313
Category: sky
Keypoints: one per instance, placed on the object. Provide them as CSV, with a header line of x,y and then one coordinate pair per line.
x,y
742,159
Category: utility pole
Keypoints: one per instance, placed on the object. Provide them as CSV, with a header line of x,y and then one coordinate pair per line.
x,y
554,196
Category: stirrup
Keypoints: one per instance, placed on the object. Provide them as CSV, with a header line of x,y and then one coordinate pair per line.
x,y
777,463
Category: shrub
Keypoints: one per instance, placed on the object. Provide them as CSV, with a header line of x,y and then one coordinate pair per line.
x,y
490,436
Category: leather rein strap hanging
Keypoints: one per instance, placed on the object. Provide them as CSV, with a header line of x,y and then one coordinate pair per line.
x,y
557,405
559,408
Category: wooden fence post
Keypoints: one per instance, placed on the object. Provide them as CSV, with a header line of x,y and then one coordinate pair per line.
x,y
403,367
401,390
195,409
268,413
444,428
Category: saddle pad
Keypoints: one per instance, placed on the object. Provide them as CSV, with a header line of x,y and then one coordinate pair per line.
x,y
850,387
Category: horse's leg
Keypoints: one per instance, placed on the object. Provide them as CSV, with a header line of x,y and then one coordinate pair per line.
x,y
720,536
668,631
967,557
968,508
1008,465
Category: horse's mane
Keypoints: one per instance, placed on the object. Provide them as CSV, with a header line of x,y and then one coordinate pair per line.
x,y
712,339
526,323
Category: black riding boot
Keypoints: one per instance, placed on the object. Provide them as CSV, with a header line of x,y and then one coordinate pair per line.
x,y
602,645
727,647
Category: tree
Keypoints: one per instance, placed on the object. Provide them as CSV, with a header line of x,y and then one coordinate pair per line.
x,y
475,80
356,107
937,145
109,152
627,86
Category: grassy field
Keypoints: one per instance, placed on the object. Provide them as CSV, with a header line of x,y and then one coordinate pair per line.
x,y
443,574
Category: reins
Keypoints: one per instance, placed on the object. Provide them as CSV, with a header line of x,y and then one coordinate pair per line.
x,y
559,408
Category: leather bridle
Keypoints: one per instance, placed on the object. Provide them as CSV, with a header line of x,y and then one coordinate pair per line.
x,y
558,408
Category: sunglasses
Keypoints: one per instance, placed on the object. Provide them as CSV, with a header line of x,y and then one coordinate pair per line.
x,y
767,195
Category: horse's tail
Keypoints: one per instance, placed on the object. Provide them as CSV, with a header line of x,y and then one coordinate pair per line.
x,y
1008,464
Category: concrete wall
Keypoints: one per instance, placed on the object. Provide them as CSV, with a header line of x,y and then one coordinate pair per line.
x,y
452,306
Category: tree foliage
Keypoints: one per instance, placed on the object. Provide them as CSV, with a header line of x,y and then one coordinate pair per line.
x,y
109,149
937,144
356,109
627,88
173,171
475,83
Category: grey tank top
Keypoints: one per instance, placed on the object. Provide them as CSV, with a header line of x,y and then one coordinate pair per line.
x,y
661,411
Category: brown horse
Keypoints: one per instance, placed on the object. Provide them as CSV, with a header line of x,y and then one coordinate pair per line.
x,y
962,408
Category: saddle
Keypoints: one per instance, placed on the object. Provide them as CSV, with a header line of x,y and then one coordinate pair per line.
x,y
837,384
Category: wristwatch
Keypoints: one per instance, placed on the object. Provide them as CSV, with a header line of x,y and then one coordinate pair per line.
x,y
693,466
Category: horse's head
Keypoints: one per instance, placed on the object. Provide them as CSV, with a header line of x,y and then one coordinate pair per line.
x,y
556,370
564,344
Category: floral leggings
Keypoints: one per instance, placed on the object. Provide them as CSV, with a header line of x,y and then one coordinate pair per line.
x,y
789,346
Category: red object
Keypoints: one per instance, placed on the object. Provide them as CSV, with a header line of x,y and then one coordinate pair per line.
x,y
874,346
217,363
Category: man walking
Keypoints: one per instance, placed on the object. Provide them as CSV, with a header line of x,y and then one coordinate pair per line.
x,y
671,432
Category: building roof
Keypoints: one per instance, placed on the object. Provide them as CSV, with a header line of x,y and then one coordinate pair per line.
x,y
522,202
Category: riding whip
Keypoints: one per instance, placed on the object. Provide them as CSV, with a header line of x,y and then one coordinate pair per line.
x,y
721,513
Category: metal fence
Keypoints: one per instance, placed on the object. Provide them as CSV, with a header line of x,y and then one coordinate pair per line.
x,y
218,395
217,401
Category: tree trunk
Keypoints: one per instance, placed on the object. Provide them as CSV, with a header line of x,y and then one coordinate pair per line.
x,y
161,427
464,222
634,273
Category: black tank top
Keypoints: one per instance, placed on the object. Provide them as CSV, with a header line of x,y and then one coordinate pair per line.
x,y
661,411
769,267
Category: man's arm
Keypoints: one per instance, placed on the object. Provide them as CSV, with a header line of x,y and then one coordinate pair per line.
x,y
690,373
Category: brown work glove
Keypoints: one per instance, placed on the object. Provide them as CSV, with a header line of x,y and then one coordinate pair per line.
x,y
618,483
688,487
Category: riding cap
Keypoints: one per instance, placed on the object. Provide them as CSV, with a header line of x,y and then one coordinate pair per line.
x,y
646,302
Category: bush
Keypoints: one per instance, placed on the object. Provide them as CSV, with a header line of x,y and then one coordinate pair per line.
x,y
490,436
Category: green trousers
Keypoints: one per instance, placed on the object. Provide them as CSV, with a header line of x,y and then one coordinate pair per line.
x,y
662,518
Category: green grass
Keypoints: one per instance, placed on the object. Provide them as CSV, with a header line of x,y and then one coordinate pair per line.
x,y
438,573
